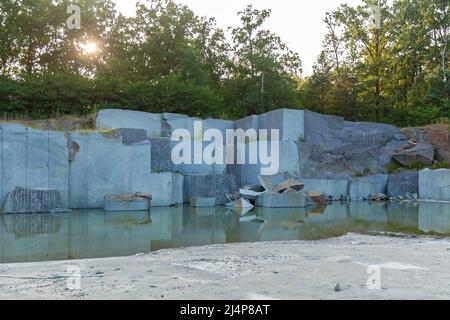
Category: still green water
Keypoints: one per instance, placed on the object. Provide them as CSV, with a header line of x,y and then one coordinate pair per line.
x,y
96,233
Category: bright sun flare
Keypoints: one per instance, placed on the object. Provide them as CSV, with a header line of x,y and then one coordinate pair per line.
x,y
89,48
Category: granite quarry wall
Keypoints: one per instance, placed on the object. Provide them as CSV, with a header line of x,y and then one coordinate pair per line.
x,y
131,152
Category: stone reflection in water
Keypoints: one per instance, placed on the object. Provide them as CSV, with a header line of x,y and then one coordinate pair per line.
x,y
434,217
95,233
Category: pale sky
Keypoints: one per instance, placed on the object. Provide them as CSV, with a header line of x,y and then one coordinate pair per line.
x,y
298,22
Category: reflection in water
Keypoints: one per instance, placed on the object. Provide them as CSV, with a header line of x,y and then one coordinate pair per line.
x,y
96,233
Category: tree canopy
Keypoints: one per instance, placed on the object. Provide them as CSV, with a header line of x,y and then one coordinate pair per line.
x,y
167,58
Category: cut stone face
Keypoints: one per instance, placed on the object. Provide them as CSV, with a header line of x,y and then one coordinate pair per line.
x,y
434,184
210,186
127,202
24,200
203,202
401,183
361,188
286,200
33,159
103,165
422,153
117,118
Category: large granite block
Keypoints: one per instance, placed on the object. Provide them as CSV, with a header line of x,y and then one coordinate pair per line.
x,y
362,187
161,154
104,165
290,123
24,200
286,156
116,119
335,188
402,183
434,184
33,159
209,186
283,200
127,202
166,188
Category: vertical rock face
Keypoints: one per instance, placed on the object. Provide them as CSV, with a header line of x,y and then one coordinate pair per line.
x,y
33,159
402,183
24,200
361,188
335,148
161,154
104,165
434,184
209,186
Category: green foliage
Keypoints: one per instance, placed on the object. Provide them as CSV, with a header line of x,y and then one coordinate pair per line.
x,y
167,58
397,74
396,166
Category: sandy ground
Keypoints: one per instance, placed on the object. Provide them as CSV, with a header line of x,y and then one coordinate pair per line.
x,y
410,268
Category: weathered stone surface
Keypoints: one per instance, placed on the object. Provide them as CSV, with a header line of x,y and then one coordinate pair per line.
x,y
221,125
24,200
286,200
290,123
438,135
335,188
203,202
173,116
251,122
186,123
33,159
161,154
399,184
434,184
202,168
131,136
126,202
318,198
116,119
166,188
289,184
422,153
361,188
335,148
104,166
210,186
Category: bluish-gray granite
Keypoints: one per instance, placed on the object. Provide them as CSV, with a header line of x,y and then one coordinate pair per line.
x,y
362,188
210,186
33,159
283,200
203,202
24,200
161,154
335,188
290,123
129,202
402,183
434,184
